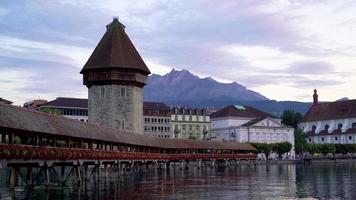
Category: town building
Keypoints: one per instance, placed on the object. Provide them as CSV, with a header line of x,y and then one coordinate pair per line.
x,y
4,101
72,108
246,124
115,75
190,123
34,104
157,115
157,119
330,122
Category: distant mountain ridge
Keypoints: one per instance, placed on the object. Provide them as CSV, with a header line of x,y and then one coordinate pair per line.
x,y
183,85
184,88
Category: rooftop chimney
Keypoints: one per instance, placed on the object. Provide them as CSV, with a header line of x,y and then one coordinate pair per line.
x,y
315,97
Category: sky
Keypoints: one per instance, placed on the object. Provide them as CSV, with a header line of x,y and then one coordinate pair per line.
x,y
281,49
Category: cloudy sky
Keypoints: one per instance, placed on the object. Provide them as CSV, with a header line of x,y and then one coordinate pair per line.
x,y
281,49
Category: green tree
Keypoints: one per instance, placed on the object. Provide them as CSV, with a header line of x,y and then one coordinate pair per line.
x,y
291,118
299,140
263,148
52,111
282,148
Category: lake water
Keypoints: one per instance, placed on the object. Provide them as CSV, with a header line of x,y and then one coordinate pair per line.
x,y
316,181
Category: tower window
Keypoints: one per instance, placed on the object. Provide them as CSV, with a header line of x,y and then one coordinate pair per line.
x,y
102,92
123,92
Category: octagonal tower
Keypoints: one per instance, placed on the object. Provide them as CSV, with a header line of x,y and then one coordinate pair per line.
x,y
115,75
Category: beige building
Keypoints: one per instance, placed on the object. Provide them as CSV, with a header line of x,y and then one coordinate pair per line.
x,y
189,123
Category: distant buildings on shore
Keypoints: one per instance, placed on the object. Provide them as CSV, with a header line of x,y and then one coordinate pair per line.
x,y
159,119
330,122
4,101
246,124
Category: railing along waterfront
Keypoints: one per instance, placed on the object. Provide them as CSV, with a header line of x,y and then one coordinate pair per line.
x,y
20,152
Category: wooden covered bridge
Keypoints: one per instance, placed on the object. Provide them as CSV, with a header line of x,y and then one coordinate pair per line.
x,y
45,143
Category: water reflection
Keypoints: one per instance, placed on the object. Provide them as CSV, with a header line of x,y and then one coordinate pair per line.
x,y
244,182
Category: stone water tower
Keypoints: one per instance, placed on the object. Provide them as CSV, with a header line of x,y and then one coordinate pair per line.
x,y
115,75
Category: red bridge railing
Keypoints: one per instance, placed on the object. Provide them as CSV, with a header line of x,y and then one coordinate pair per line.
x,y
18,152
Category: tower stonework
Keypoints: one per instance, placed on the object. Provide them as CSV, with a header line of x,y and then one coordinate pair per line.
x,y
115,75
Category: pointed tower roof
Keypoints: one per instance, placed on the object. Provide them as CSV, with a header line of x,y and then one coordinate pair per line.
x,y
115,51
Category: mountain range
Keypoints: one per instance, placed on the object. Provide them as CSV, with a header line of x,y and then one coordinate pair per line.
x,y
186,89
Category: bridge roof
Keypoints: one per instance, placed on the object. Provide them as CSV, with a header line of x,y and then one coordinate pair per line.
x,y
18,118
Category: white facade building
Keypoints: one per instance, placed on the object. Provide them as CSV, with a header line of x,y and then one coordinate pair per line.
x,y
330,122
246,124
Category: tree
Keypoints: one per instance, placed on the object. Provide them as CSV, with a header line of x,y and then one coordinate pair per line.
x,y
282,148
291,118
52,111
263,148
300,140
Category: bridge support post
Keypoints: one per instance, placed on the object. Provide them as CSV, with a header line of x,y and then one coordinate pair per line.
x,y
13,177
181,165
97,171
86,172
29,178
46,173
226,163
77,174
212,163
62,178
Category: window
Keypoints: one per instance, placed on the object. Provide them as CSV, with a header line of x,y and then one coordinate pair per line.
x,y
197,127
353,125
123,92
190,127
350,137
183,127
322,139
336,138
102,92
326,127
339,126
313,128
190,118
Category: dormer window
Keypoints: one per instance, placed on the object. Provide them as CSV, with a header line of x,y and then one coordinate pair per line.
x,y
353,125
313,128
326,127
339,126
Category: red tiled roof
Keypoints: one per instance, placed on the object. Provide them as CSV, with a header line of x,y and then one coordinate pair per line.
x,y
115,50
22,119
331,110
240,111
